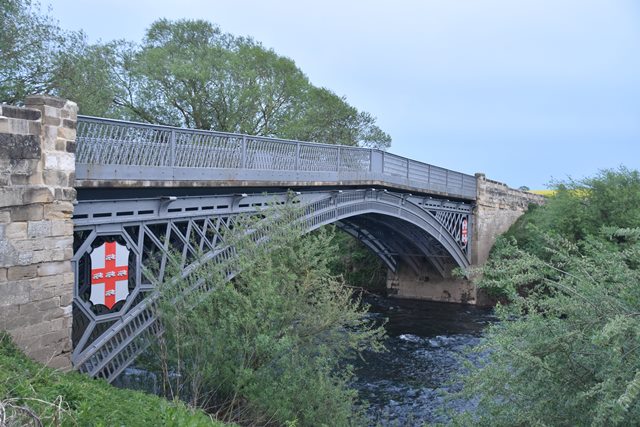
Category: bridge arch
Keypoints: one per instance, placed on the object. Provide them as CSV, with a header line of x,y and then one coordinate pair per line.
x,y
403,242
427,228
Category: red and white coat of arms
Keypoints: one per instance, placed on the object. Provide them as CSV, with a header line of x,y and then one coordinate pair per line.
x,y
464,234
109,274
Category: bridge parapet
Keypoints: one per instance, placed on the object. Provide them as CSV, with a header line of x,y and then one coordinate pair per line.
x,y
114,153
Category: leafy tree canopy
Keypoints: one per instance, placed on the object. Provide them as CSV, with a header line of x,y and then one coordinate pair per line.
x,y
29,44
183,73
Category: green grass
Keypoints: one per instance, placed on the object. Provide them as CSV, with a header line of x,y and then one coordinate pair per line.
x,y
29,390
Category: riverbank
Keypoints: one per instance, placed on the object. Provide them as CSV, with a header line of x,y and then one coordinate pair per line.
x,y
30,392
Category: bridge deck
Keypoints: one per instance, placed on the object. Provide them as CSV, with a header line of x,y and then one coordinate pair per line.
x,y
114,153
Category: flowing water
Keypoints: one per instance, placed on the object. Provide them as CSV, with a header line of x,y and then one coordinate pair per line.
x,y
404,386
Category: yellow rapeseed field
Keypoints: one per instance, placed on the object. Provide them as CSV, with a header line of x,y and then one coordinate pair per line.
x,y
580,192
543,192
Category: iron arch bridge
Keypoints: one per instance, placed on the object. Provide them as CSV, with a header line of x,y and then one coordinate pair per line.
x,y
399,227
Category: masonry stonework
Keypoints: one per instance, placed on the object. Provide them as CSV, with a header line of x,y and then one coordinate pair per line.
x,y
498,207
37,172
428,285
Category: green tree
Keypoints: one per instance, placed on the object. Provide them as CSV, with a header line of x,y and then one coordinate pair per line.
x,y
326,117
184,73
272,345
97,76
29,44
189,73
567,348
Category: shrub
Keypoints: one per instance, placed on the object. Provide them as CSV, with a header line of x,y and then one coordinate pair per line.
x,y
580,208
273,344
566,349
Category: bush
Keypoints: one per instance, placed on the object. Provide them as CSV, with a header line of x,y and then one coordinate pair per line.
x,y
31,393
273,345
580,208
566,349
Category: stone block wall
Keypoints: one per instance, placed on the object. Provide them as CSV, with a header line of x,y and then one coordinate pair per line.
x,y
37,172
429,285
497,208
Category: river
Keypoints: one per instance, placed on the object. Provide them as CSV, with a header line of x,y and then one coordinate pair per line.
x,y
403,386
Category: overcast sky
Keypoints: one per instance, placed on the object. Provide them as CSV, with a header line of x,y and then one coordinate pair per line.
x,y
523,90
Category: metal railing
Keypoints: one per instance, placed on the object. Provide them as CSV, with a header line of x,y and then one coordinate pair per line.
x,y
152,152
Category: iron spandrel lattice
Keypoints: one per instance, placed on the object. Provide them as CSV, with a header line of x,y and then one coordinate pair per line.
x,y
394,226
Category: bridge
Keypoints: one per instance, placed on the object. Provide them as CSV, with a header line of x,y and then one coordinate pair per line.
x,y
150,191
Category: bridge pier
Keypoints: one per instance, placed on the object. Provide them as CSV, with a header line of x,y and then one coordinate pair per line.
x,y
37,165
497,208
429,285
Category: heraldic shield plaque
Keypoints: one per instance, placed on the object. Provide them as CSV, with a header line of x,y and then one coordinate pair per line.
x,y
106,286
109,274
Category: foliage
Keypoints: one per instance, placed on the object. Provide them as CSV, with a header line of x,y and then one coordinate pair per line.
x,y
566,351
29,44
96,77
359,266
325,117
30,392
192,74
189,73
579,208
184,73
273,345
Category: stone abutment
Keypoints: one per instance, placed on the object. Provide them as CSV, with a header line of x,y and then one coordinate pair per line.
x,y
37,171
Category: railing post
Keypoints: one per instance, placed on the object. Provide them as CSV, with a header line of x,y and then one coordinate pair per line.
x,y
408,163
297,156
339,158
370,159
376,166
243,160
172,148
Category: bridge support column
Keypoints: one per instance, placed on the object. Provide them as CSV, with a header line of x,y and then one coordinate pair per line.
x,y
429,285
37,165
498,207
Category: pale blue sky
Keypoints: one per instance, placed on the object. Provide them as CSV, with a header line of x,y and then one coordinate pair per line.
x,y
523,90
